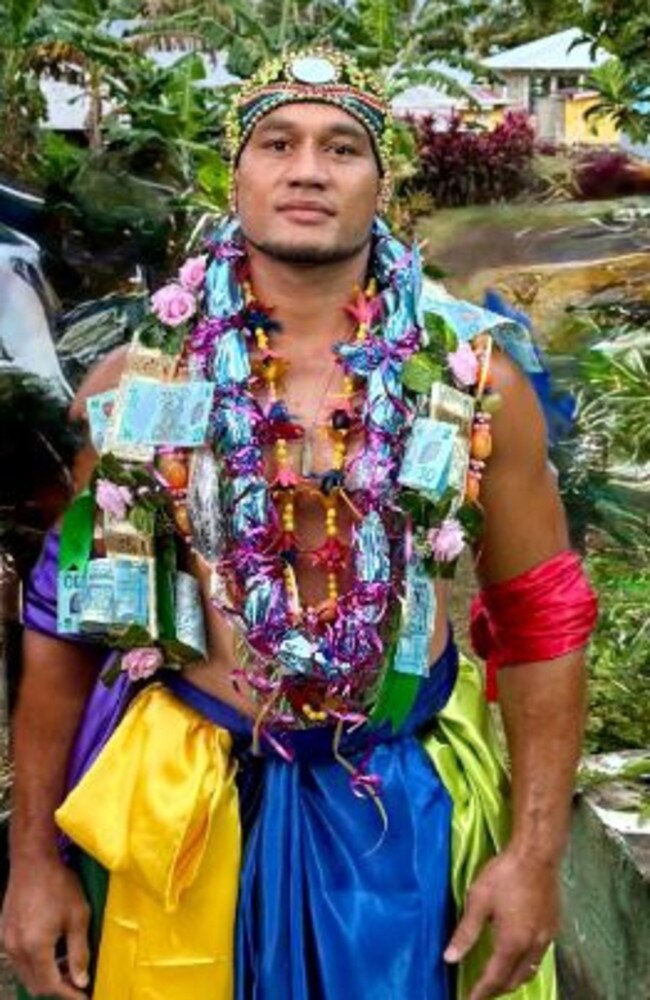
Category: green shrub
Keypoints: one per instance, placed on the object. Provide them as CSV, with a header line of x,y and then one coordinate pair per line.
x,y
619,661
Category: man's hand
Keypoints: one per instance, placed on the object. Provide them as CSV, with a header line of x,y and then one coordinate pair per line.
x,y
44,905
520,900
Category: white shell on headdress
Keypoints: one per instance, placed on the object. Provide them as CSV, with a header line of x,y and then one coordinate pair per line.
x,y
313,69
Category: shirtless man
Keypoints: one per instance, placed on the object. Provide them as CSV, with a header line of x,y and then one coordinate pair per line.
x,y
308,182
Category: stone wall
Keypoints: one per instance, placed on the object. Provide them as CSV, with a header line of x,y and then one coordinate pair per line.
x,y
605,941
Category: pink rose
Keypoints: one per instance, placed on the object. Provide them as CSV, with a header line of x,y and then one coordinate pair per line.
x,y
192,273
448,541
173,304
113,499
142,662
464,365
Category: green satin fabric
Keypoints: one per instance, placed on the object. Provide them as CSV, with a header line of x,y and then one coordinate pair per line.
x,y
465,751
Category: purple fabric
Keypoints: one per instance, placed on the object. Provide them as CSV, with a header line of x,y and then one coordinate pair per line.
x,y
39,608
106,706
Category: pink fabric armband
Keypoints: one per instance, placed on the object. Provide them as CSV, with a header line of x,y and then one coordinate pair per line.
x,y
546,612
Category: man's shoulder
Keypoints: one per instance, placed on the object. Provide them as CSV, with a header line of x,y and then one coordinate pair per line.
x,y
105,375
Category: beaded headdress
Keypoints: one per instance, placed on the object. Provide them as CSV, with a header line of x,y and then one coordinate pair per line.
x,y
321,76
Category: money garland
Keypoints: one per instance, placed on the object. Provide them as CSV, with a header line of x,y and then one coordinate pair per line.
x,y
183,445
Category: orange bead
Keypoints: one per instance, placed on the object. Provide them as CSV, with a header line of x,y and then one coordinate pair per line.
x,y
481,445
182,519
472,489
174,471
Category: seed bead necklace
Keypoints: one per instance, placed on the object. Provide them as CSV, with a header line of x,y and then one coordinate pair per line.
x,y
332,555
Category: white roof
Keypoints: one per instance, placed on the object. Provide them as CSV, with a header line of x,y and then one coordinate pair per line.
x,y
553,53
430,100
423,98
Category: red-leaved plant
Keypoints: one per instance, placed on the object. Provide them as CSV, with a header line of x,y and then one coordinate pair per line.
x,y
461,165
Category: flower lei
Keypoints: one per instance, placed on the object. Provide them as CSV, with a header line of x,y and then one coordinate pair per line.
x,y
312,665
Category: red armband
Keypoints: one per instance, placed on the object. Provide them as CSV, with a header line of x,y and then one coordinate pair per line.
x,y
542,614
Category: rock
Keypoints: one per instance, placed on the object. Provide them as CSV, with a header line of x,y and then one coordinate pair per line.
x,y
545,291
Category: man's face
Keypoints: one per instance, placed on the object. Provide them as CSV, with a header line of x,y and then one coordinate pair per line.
x,y
307,185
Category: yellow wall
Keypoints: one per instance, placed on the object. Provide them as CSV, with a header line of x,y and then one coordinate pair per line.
x,y
593,131
488,117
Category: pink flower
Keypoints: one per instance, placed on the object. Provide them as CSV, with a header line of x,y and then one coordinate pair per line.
x,y
113,499
173,304
464,365
448,541
192,273
142,662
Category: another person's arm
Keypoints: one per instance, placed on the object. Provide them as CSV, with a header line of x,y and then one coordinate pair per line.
x,y
543,706
44,902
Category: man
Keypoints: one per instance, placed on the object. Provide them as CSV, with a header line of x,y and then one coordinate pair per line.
x,y
362,823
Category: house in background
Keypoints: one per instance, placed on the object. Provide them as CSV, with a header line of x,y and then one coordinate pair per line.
x,y
68,105
479,103
549,79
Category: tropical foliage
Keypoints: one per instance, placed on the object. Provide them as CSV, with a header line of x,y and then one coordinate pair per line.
x,y
605,474
502,24
623,82
620,654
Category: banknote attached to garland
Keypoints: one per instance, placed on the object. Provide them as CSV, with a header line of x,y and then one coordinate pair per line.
x,y
185,446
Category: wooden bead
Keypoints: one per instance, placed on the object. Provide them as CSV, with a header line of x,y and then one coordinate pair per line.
x,y
182,519
174,471
491,402
481,445
472,489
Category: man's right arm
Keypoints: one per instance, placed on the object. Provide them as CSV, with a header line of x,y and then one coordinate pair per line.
x,y
44,902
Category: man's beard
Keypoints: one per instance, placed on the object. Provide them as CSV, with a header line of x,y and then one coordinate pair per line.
x,y
308,256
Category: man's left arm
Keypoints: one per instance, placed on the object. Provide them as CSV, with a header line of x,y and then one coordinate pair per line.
x,y
542,703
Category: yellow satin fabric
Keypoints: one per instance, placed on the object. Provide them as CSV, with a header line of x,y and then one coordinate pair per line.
x,y
160,802
465,752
